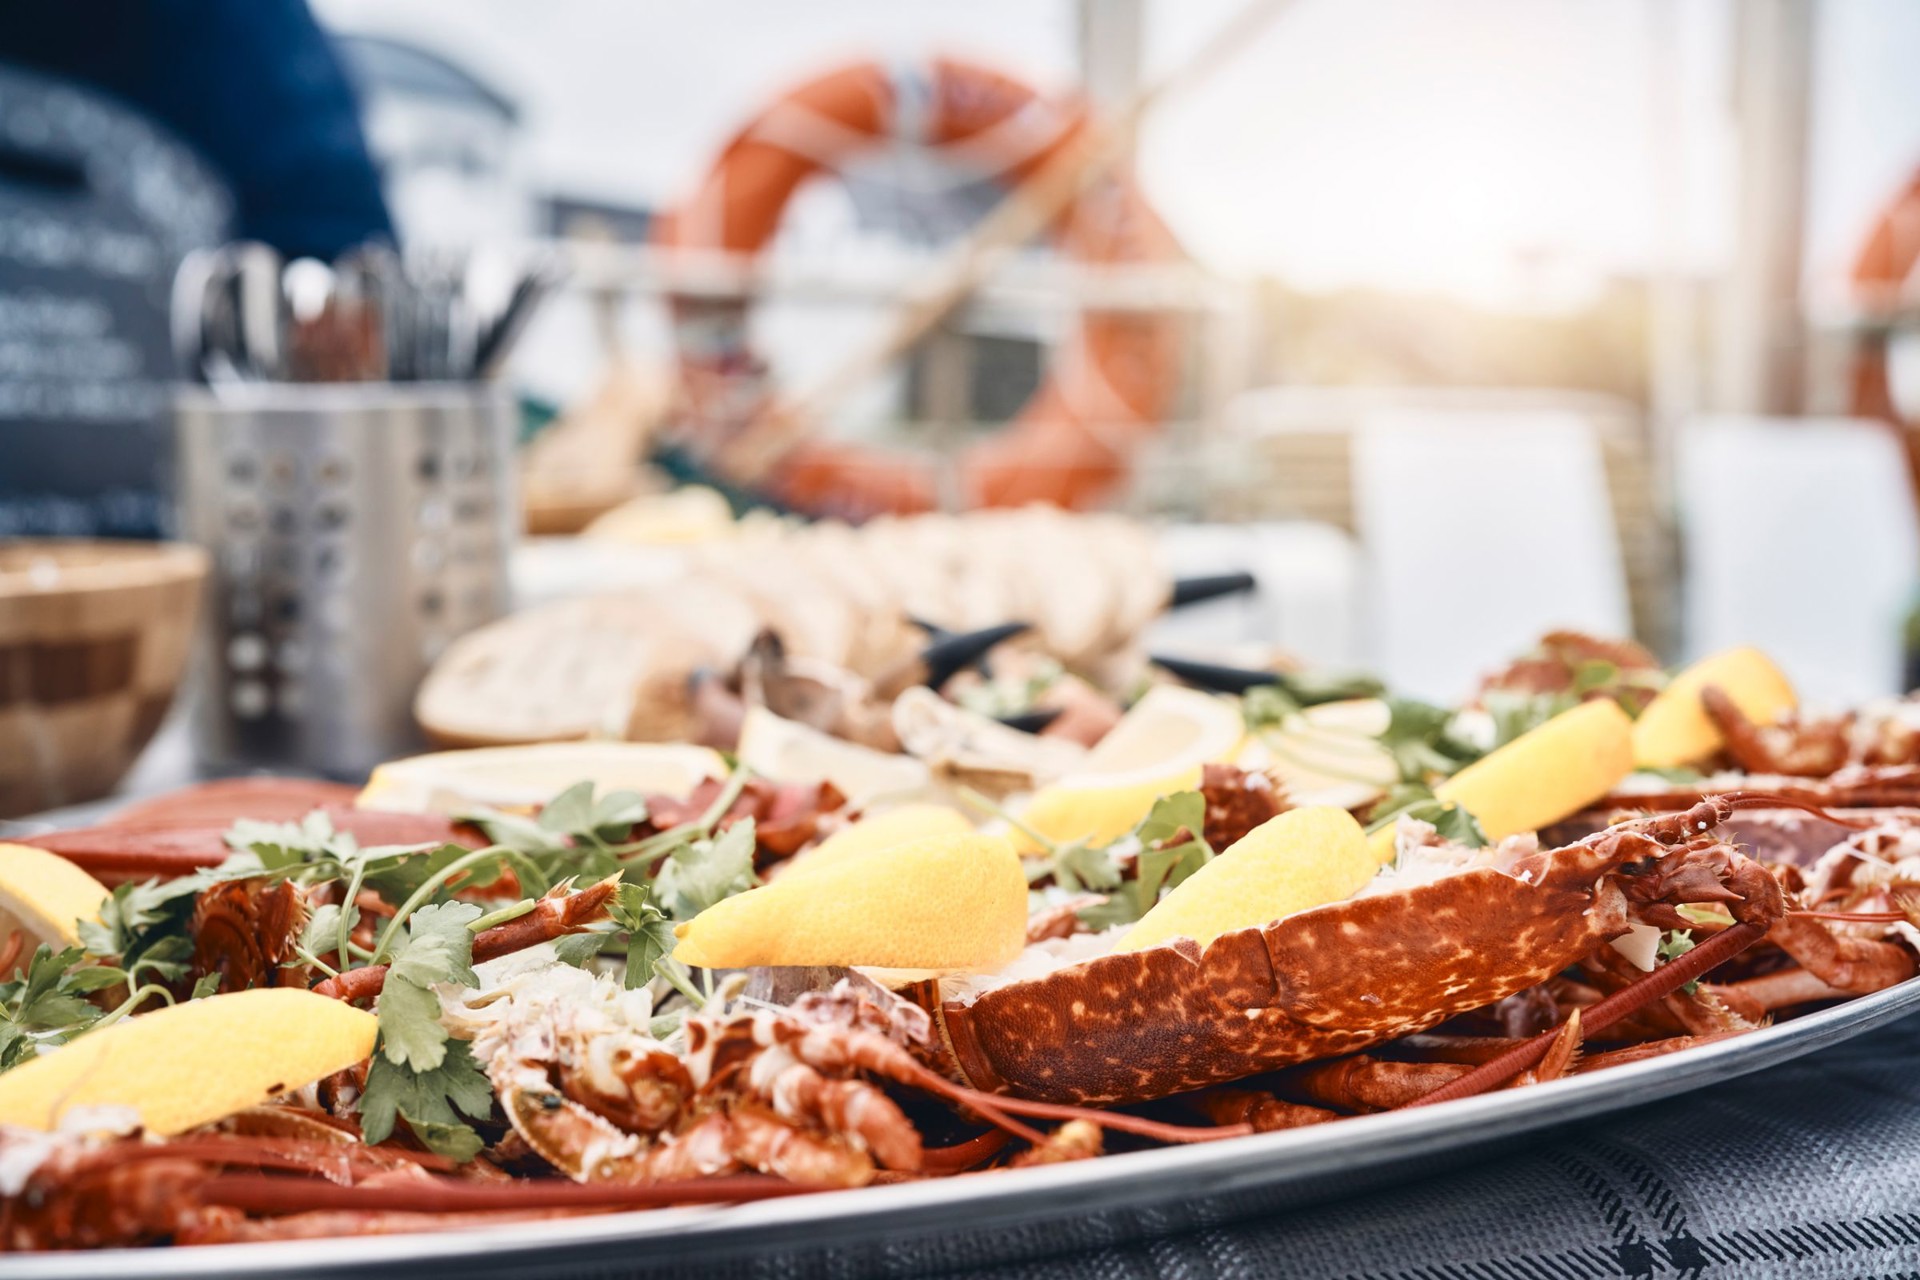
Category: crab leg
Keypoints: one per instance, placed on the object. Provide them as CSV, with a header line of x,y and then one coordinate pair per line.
x,y
1856,965
1702,1012
1741,736
820,1048
1120,1122
325,1161
1676,973
1641,1052
435,1194
551,918
1561,1054
1432,1046
322,1224
1364,1083
1673,828
1783,990
962,1156
1260,1110
1813,750
999,1110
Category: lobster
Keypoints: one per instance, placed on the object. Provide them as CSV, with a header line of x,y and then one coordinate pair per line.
x,y
206,1188
1558,661
1341,978
791,1091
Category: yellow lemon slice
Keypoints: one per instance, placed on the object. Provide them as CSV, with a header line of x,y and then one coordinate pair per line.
x,y
1302,859
955,903
788,751
881,832
1542,776
450,782
192,1063
45,897
1674,729
1158,748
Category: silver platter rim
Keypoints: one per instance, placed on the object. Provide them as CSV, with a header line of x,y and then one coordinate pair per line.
x,y
1010,1197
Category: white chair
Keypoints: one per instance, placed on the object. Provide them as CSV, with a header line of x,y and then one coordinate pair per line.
x,y
1800,537
1481,530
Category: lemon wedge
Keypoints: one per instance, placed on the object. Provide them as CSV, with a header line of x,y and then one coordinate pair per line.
x,y
1674,729
949,903
880,832
192,1063
451,782
1546,774
1302,859
1157,748
45,897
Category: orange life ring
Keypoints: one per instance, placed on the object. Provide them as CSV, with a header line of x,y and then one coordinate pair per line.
x,y
1883,275
1113,384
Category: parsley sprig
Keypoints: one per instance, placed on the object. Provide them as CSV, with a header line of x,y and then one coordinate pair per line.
x,y
419,1073
47,1005
1171,849
1162,851
1675,943
1419,736
1266,706
142,943
1413,800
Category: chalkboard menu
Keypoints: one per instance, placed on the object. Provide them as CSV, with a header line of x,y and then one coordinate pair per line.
x,y
97,207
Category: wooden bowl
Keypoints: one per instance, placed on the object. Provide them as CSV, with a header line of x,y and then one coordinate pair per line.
x,y
93,639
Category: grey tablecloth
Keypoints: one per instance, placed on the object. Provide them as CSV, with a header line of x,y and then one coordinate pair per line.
x,y
1808,1169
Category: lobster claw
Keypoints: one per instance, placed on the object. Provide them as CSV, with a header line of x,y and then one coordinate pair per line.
x,y
952,652
1188,591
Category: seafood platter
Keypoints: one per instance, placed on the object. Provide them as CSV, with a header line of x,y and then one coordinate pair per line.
x,y
967,929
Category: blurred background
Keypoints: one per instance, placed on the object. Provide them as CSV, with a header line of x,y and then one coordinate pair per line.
x,y
1450,322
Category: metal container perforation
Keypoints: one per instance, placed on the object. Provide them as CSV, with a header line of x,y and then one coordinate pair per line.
x,y
355,531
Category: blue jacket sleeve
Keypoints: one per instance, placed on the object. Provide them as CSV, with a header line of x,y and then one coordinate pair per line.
x,y
253,85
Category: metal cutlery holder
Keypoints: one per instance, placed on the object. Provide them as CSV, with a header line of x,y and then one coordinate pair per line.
x,y
355,529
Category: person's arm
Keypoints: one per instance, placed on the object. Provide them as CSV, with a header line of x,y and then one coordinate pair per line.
x,y
253,85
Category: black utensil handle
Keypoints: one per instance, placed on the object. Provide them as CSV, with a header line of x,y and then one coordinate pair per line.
x,y
1213,676
946,656
1032,721
1188,591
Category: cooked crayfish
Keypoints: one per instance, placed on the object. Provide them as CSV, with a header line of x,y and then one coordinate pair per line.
x,y
1340,978
793,1091
1560,663
595,1095
1802,746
